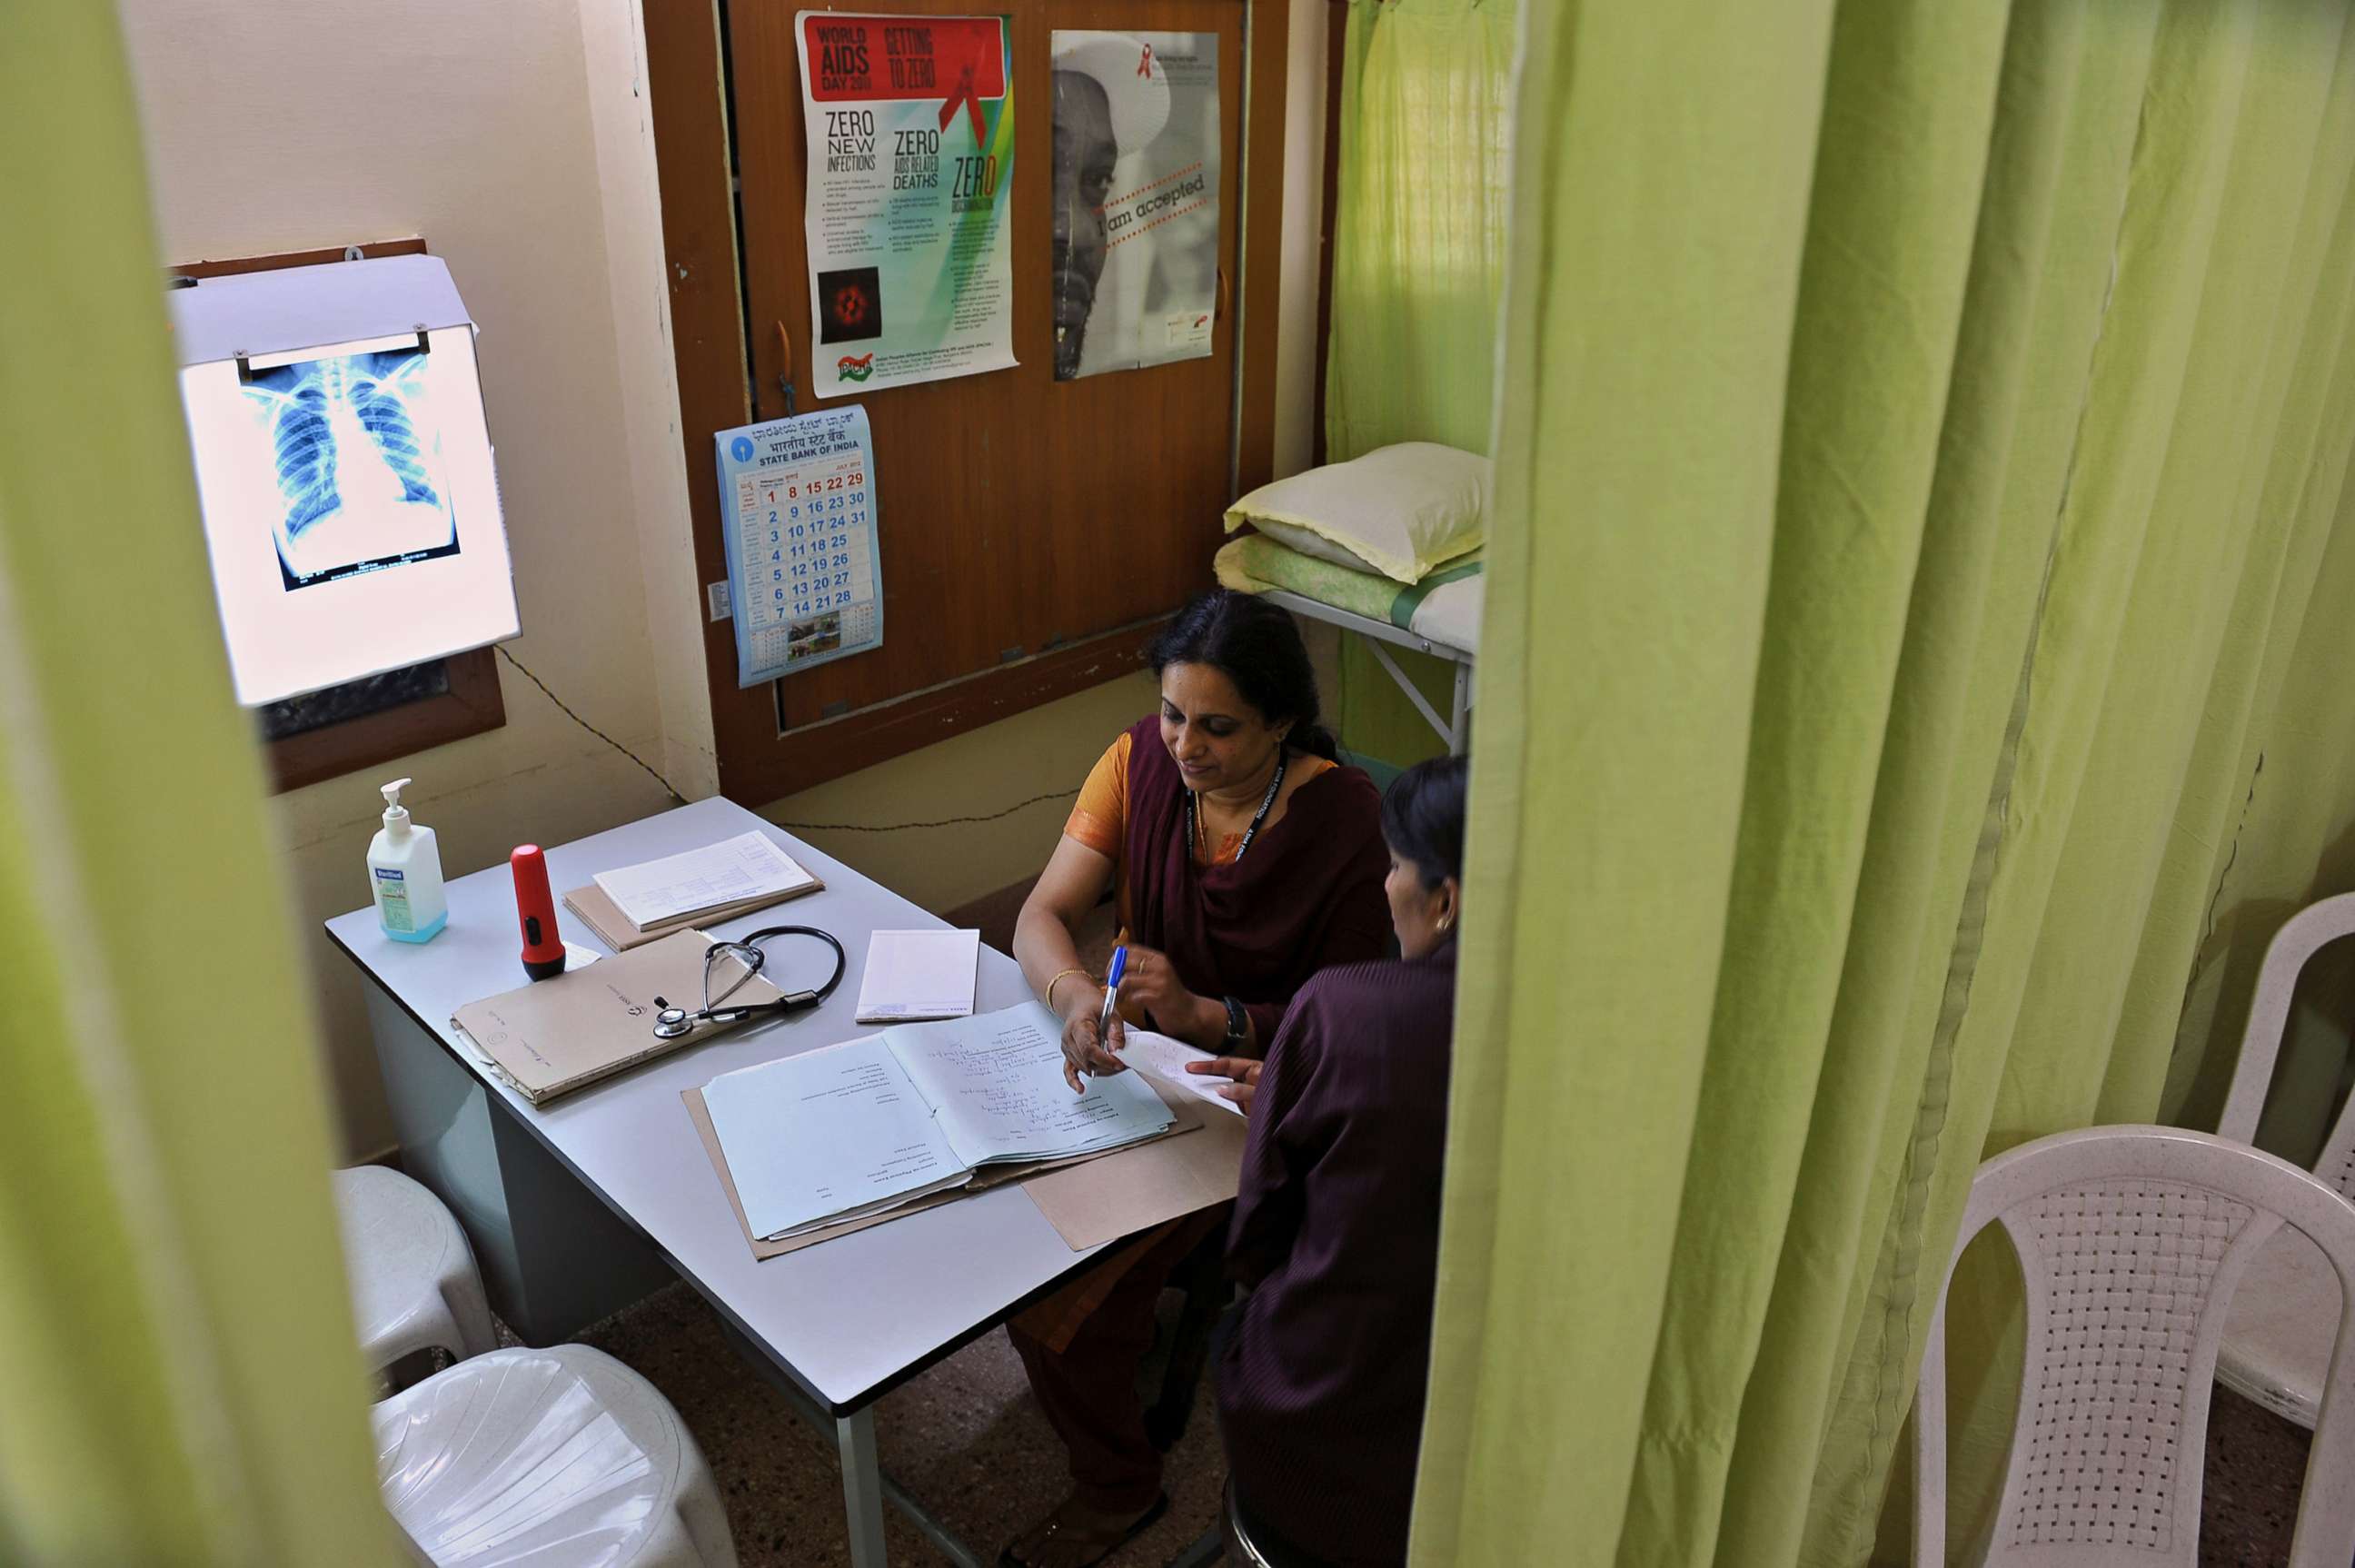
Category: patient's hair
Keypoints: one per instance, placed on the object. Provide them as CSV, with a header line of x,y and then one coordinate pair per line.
x,y
1423,817
1257,645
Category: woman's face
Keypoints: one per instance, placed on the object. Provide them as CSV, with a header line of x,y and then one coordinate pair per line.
x,y
1422,916
1217,740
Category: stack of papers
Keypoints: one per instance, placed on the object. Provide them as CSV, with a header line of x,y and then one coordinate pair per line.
x,y
872,1125
915,975
746,869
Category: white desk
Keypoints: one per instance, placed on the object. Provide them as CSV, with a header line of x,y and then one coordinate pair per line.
x,y
840,1323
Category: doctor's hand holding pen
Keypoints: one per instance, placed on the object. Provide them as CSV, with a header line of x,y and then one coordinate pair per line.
x,y
1091,1025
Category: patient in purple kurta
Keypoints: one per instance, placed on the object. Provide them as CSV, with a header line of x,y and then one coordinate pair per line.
x,y
1336,1225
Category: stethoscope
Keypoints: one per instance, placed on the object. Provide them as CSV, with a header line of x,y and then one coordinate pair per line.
x,y
747,954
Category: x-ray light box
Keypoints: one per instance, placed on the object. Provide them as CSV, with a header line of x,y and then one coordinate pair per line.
x,y
344,469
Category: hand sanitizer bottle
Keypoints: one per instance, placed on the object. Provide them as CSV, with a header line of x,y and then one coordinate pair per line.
x,y
405,869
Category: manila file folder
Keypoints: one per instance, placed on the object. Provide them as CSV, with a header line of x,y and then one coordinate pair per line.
x,y
551,1037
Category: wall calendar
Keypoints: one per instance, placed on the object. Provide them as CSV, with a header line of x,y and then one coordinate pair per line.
x,y
804,577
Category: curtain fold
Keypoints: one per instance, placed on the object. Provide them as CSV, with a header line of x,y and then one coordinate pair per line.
x,y
1418,267
1654,266
181,1381
1913,696
1418,222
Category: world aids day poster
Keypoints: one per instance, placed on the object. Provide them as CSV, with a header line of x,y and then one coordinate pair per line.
x,y
911,132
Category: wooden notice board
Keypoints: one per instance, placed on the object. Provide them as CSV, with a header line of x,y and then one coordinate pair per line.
x,y
1032,533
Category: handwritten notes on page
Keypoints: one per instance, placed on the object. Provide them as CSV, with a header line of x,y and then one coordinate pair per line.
x,y
850,1130
827,1136
998,1082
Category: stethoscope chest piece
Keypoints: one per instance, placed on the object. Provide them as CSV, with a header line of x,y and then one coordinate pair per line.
x,y
672,1023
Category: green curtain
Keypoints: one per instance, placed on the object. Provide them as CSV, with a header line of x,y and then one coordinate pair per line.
x,y
181,1381
1912,670
1418,267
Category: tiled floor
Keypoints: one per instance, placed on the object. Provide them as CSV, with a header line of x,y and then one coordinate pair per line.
x,y
966,1439
2249,1506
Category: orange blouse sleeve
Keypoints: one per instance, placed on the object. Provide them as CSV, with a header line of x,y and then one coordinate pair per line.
x,y
1100,820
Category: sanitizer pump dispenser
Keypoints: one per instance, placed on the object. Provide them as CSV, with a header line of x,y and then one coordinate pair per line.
x,y
405,869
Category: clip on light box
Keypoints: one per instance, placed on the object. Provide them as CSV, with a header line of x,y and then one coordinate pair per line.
x,y
344,469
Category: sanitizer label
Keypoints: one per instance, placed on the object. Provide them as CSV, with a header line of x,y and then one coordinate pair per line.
x,y
392,899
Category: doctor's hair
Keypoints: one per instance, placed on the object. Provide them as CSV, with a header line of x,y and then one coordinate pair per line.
x,y
1423,817
1257,645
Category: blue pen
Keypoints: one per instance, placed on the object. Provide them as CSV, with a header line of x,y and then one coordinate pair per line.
x,y
1112,990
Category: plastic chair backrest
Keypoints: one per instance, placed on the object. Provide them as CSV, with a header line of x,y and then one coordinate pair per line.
x,y
2303,935
2130,1241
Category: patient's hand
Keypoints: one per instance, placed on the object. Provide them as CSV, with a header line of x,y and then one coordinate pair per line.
x,y
1243,1070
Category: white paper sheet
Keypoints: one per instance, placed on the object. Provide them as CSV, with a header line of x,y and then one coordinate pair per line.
x,y
1165,1059
827,1136
747,865
913,975
997,1083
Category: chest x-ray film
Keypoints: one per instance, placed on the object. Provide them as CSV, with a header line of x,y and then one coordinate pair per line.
x,y
344,471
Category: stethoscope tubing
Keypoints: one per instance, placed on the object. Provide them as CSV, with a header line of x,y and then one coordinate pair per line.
x,y
670,1027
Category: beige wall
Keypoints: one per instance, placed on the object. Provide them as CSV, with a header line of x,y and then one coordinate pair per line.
x,y
978,774
613,39
283,127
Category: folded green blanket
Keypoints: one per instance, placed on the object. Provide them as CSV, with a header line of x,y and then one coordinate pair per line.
x,y
1255,563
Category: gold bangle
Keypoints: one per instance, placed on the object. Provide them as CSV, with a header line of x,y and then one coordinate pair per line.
x,y
1049,995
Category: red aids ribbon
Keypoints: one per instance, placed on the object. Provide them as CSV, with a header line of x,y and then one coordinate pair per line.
x,y
1145,62
963,97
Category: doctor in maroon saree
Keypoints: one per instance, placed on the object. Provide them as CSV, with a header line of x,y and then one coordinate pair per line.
x,y
1245,860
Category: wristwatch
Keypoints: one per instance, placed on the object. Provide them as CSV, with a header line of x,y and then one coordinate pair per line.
x,y
1238,1026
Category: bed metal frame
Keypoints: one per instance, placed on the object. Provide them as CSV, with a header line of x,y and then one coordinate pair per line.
x,y
1456,728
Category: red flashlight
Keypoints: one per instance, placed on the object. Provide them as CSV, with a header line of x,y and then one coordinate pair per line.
x,y
543,948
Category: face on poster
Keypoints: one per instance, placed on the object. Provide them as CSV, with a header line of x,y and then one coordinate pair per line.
x,y
1135,199
909,123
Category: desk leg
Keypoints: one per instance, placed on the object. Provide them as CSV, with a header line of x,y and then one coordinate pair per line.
x,y
854,1435
862,1486
554,1258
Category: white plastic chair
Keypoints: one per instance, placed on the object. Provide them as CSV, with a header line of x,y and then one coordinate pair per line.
x,y
555,1458
2131,1242
413,1281
2278,1340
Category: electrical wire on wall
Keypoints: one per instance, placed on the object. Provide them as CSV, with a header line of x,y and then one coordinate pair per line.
x,y
790,827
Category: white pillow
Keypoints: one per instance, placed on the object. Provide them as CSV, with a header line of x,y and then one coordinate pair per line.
x,y
1399,511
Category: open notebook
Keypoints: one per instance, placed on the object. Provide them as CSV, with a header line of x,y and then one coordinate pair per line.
x,y
871,1125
